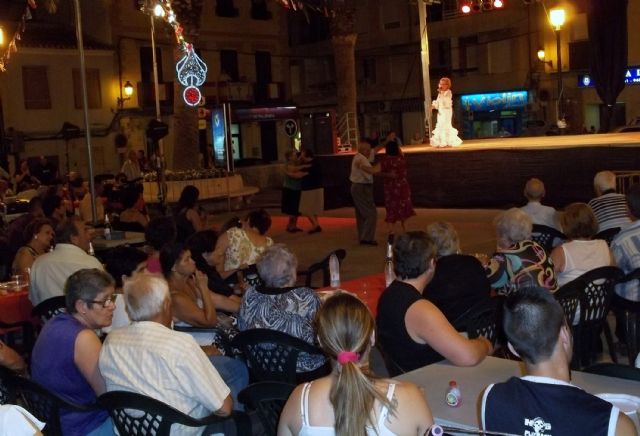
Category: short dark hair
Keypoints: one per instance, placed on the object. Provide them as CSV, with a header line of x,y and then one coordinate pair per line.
x,y
160,231
85,285
532,321
633,199
200,243
66,229
34,227
130,196
412,252
260,220
169,255
188,197
51,203
122,261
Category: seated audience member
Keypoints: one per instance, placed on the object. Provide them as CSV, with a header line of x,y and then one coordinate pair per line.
x,y
240,247
202,245
85,207
352,400
51,270
123,263
518,261
160,232
15,230
545,400
149,358
280,304
192,304
609,207
188,219
40,235
581,253
54,209
10,359
23,178
626,247
131,218
412,329
539,214
626,252
65,356
460,281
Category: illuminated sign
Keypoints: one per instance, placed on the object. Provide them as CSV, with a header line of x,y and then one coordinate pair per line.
x,y
219,133
631,77
495,101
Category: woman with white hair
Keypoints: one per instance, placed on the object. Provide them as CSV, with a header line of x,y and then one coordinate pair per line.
x,y
460,281
518,262
279,304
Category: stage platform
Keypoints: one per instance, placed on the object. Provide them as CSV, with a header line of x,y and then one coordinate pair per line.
x,y
492,172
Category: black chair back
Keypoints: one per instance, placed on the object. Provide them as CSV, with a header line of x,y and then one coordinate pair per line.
x,y
482,320
608,234
595,289
545,236
135,415
49,308
7,393
569,299
628,314
272,355
44,404
323,266
268,400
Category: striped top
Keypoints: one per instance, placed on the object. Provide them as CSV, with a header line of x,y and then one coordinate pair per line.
x,y
610,211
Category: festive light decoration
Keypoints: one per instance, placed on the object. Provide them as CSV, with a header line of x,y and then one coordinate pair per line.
x,y
191,70
12,46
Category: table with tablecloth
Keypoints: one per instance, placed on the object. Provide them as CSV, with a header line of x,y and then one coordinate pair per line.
x,y
15,307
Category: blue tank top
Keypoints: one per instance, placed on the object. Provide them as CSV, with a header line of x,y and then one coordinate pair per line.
x,y
53,367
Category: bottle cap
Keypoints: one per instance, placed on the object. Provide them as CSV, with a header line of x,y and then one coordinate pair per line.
x,y
453,383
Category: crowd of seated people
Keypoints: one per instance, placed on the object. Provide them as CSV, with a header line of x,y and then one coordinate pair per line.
x,y
203,281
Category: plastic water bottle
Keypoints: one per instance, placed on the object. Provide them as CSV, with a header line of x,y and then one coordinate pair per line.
x,y
334,271
453,397
91,251
389,274
107,227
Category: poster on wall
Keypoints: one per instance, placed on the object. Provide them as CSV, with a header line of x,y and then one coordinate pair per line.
x,y
220,121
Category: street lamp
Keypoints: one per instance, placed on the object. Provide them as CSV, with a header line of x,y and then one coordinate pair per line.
x,y
541,57
557,18
128,92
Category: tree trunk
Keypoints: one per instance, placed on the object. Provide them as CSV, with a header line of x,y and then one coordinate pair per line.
x,y
186,147
345,64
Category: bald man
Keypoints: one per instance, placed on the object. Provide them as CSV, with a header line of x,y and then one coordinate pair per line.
x,y
539,214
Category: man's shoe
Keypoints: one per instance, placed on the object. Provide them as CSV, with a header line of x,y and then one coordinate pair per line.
x,y
318,229
293,229
372,243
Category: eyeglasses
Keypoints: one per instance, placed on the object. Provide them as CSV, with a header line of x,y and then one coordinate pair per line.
x,y
107,302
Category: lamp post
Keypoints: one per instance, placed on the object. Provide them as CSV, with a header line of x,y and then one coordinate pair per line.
x,y
557,18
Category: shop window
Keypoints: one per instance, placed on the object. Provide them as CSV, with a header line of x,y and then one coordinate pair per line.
x,y
35,86
225,8
94,96
259,10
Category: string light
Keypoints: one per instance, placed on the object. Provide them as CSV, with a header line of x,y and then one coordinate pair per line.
x,y
12,46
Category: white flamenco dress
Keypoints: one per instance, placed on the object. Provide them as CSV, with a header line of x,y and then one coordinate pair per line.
x,y
444,135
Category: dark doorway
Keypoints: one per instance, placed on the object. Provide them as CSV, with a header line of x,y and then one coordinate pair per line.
x,y
269,141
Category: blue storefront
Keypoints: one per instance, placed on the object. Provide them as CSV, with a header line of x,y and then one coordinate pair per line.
x,y
493,114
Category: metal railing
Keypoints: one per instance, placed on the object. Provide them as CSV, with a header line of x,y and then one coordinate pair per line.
x,y
624,179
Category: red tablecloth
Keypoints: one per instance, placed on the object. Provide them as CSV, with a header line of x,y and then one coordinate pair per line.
x,y
15,307
368,289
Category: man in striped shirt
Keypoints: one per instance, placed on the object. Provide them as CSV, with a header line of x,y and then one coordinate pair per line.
x,y
609,207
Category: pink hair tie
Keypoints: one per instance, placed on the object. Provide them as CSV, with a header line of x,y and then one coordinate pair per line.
x,y
348,356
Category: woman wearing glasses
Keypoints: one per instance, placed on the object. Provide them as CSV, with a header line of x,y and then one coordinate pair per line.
x,y
65,356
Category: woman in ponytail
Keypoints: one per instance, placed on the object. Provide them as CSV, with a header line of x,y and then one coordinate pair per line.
x,y
351,401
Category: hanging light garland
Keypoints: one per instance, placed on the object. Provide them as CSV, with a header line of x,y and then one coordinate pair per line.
x,y
12,45
191,70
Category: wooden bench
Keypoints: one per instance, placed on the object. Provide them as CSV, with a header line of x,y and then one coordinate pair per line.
x,y
210,189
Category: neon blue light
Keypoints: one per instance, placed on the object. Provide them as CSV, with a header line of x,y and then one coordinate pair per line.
x,y
495,101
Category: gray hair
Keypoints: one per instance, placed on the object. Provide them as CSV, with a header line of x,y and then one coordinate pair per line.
x,y
445,237
604,181
277,266
85,285
144,296
512,226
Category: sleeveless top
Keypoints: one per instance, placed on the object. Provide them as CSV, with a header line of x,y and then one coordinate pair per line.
x,y
582,256
184,227
392,331
546,406
309,430
241,251
53,367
